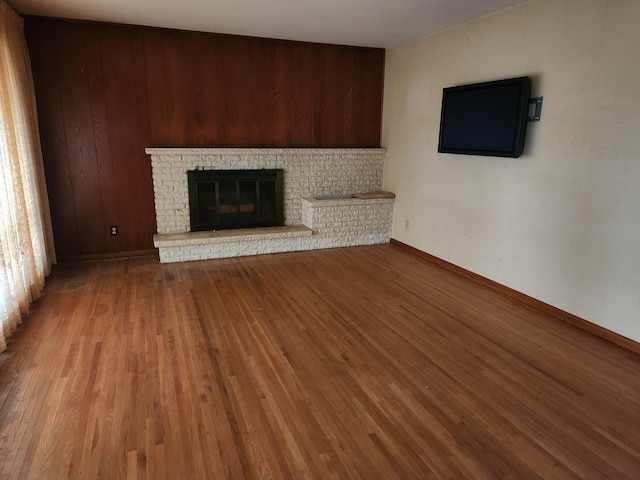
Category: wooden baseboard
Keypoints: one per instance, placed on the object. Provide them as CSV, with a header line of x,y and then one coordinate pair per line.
x,y
108,256
555,312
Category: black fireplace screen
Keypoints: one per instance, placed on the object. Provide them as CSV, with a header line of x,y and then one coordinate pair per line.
x,y
221,199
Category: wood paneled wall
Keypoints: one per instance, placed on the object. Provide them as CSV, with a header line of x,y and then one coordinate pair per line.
x,y
105,92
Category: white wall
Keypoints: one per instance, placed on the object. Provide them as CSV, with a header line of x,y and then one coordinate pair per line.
x,y
562,222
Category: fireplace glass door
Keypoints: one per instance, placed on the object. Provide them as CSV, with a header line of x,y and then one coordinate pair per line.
x,y
221,199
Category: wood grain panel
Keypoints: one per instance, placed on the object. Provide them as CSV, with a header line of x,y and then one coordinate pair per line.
x,y
367,98
74,71
185,75
356,363
329,99
159,91
208,100
124,73
105,92
262,92
237,87
282,101
304,73
54,146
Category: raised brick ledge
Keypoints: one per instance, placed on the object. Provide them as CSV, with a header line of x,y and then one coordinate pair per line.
x,y
345,201
161,240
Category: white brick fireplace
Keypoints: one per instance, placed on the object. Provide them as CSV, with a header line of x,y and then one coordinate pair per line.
x,y
318,210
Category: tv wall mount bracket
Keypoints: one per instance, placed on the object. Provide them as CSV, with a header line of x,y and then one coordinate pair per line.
x,y
535,109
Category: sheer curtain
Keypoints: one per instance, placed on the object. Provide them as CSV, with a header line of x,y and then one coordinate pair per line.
x,y
26,240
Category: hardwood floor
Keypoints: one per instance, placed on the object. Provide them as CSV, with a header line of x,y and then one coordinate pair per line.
x,y
360,363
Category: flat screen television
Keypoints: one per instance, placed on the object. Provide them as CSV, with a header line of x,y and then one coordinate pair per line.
x,y
488,118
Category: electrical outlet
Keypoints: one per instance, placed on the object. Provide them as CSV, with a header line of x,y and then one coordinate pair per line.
x,y
114,230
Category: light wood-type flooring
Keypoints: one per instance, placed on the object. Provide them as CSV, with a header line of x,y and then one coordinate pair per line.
x,y
359,363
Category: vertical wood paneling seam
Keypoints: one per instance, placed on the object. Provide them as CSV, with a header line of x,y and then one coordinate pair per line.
x,y
104,99
224,90
147,83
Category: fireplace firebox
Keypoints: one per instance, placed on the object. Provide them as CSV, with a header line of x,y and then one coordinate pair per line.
x,y
225,199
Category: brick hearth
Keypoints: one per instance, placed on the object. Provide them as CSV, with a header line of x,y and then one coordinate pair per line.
x,y
315,216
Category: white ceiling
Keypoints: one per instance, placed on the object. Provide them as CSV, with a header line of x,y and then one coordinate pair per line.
x,y
367,23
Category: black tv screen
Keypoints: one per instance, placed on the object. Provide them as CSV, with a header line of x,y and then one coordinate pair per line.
x,y
488,118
